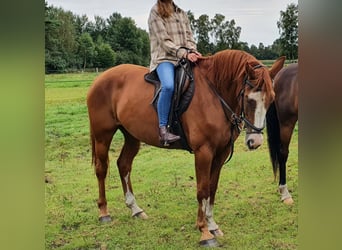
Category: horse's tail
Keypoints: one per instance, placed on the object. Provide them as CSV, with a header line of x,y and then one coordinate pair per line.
x,y
273,137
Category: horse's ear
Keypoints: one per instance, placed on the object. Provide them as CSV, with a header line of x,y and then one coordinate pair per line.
x,y
277,65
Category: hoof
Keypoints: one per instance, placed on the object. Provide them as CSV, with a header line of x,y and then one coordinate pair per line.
x,y
105,219
209,243
141,215
288,201
216,232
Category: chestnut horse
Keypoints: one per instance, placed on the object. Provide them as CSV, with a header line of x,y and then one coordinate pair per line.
x,y
281,118
231,88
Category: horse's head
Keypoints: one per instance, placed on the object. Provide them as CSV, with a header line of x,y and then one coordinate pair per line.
x,y
257,95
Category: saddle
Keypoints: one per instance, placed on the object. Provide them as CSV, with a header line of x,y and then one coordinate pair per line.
x,y
182,96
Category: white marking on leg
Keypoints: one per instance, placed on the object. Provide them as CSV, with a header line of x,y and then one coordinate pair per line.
x,y
284,192
210,218
205,204
208,211
260,110
130,199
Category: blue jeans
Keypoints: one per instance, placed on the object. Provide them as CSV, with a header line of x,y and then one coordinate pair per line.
x,y
166,74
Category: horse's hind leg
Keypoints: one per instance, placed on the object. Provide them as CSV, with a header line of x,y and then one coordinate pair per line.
x,y
102,144
124,162
286,131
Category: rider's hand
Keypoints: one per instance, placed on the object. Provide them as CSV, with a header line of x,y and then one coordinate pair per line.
x,y
193,56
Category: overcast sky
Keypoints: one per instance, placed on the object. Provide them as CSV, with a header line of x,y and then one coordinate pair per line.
x,y
257,18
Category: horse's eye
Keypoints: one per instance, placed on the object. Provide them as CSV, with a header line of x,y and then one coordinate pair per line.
x,y
251,103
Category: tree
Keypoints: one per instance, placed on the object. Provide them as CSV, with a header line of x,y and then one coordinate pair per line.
x,y
192,21
105,56
86,49
130,43
144,48
113,31
53,59
244,46
254,51
277,48
215,34
202,30
81,24
288,29
60,39
100,29
225,33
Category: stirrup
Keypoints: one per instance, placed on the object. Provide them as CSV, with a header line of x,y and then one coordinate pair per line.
x,y
165,143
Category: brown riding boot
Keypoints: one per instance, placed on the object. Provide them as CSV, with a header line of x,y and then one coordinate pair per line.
x,y
166,137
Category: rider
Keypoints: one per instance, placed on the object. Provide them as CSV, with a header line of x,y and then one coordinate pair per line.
x,y
169,29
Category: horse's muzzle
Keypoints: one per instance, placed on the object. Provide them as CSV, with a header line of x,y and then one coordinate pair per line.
x,y
254,140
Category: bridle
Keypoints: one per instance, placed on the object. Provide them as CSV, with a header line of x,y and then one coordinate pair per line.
x,y
234,118
247,82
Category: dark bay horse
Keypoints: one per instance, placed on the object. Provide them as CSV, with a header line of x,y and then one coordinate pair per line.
x,y
231,88
281,119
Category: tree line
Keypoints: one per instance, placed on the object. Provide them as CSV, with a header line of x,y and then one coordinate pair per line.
x,y
73,42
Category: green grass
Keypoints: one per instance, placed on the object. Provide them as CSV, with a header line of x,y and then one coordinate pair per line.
x,y
247,206
269,63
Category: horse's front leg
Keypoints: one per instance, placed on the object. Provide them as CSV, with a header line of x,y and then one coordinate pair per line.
x,y
214,178
203,159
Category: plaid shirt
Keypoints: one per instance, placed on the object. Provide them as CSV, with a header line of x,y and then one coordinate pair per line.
x,y
167,35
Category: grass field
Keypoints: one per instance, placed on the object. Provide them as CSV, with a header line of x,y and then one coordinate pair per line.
x,y
247,206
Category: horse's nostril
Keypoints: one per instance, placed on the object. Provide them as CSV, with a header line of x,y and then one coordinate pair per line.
x,y
250,143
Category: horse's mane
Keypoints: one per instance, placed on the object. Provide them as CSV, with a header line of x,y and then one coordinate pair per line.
x,y
230,64
232,67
